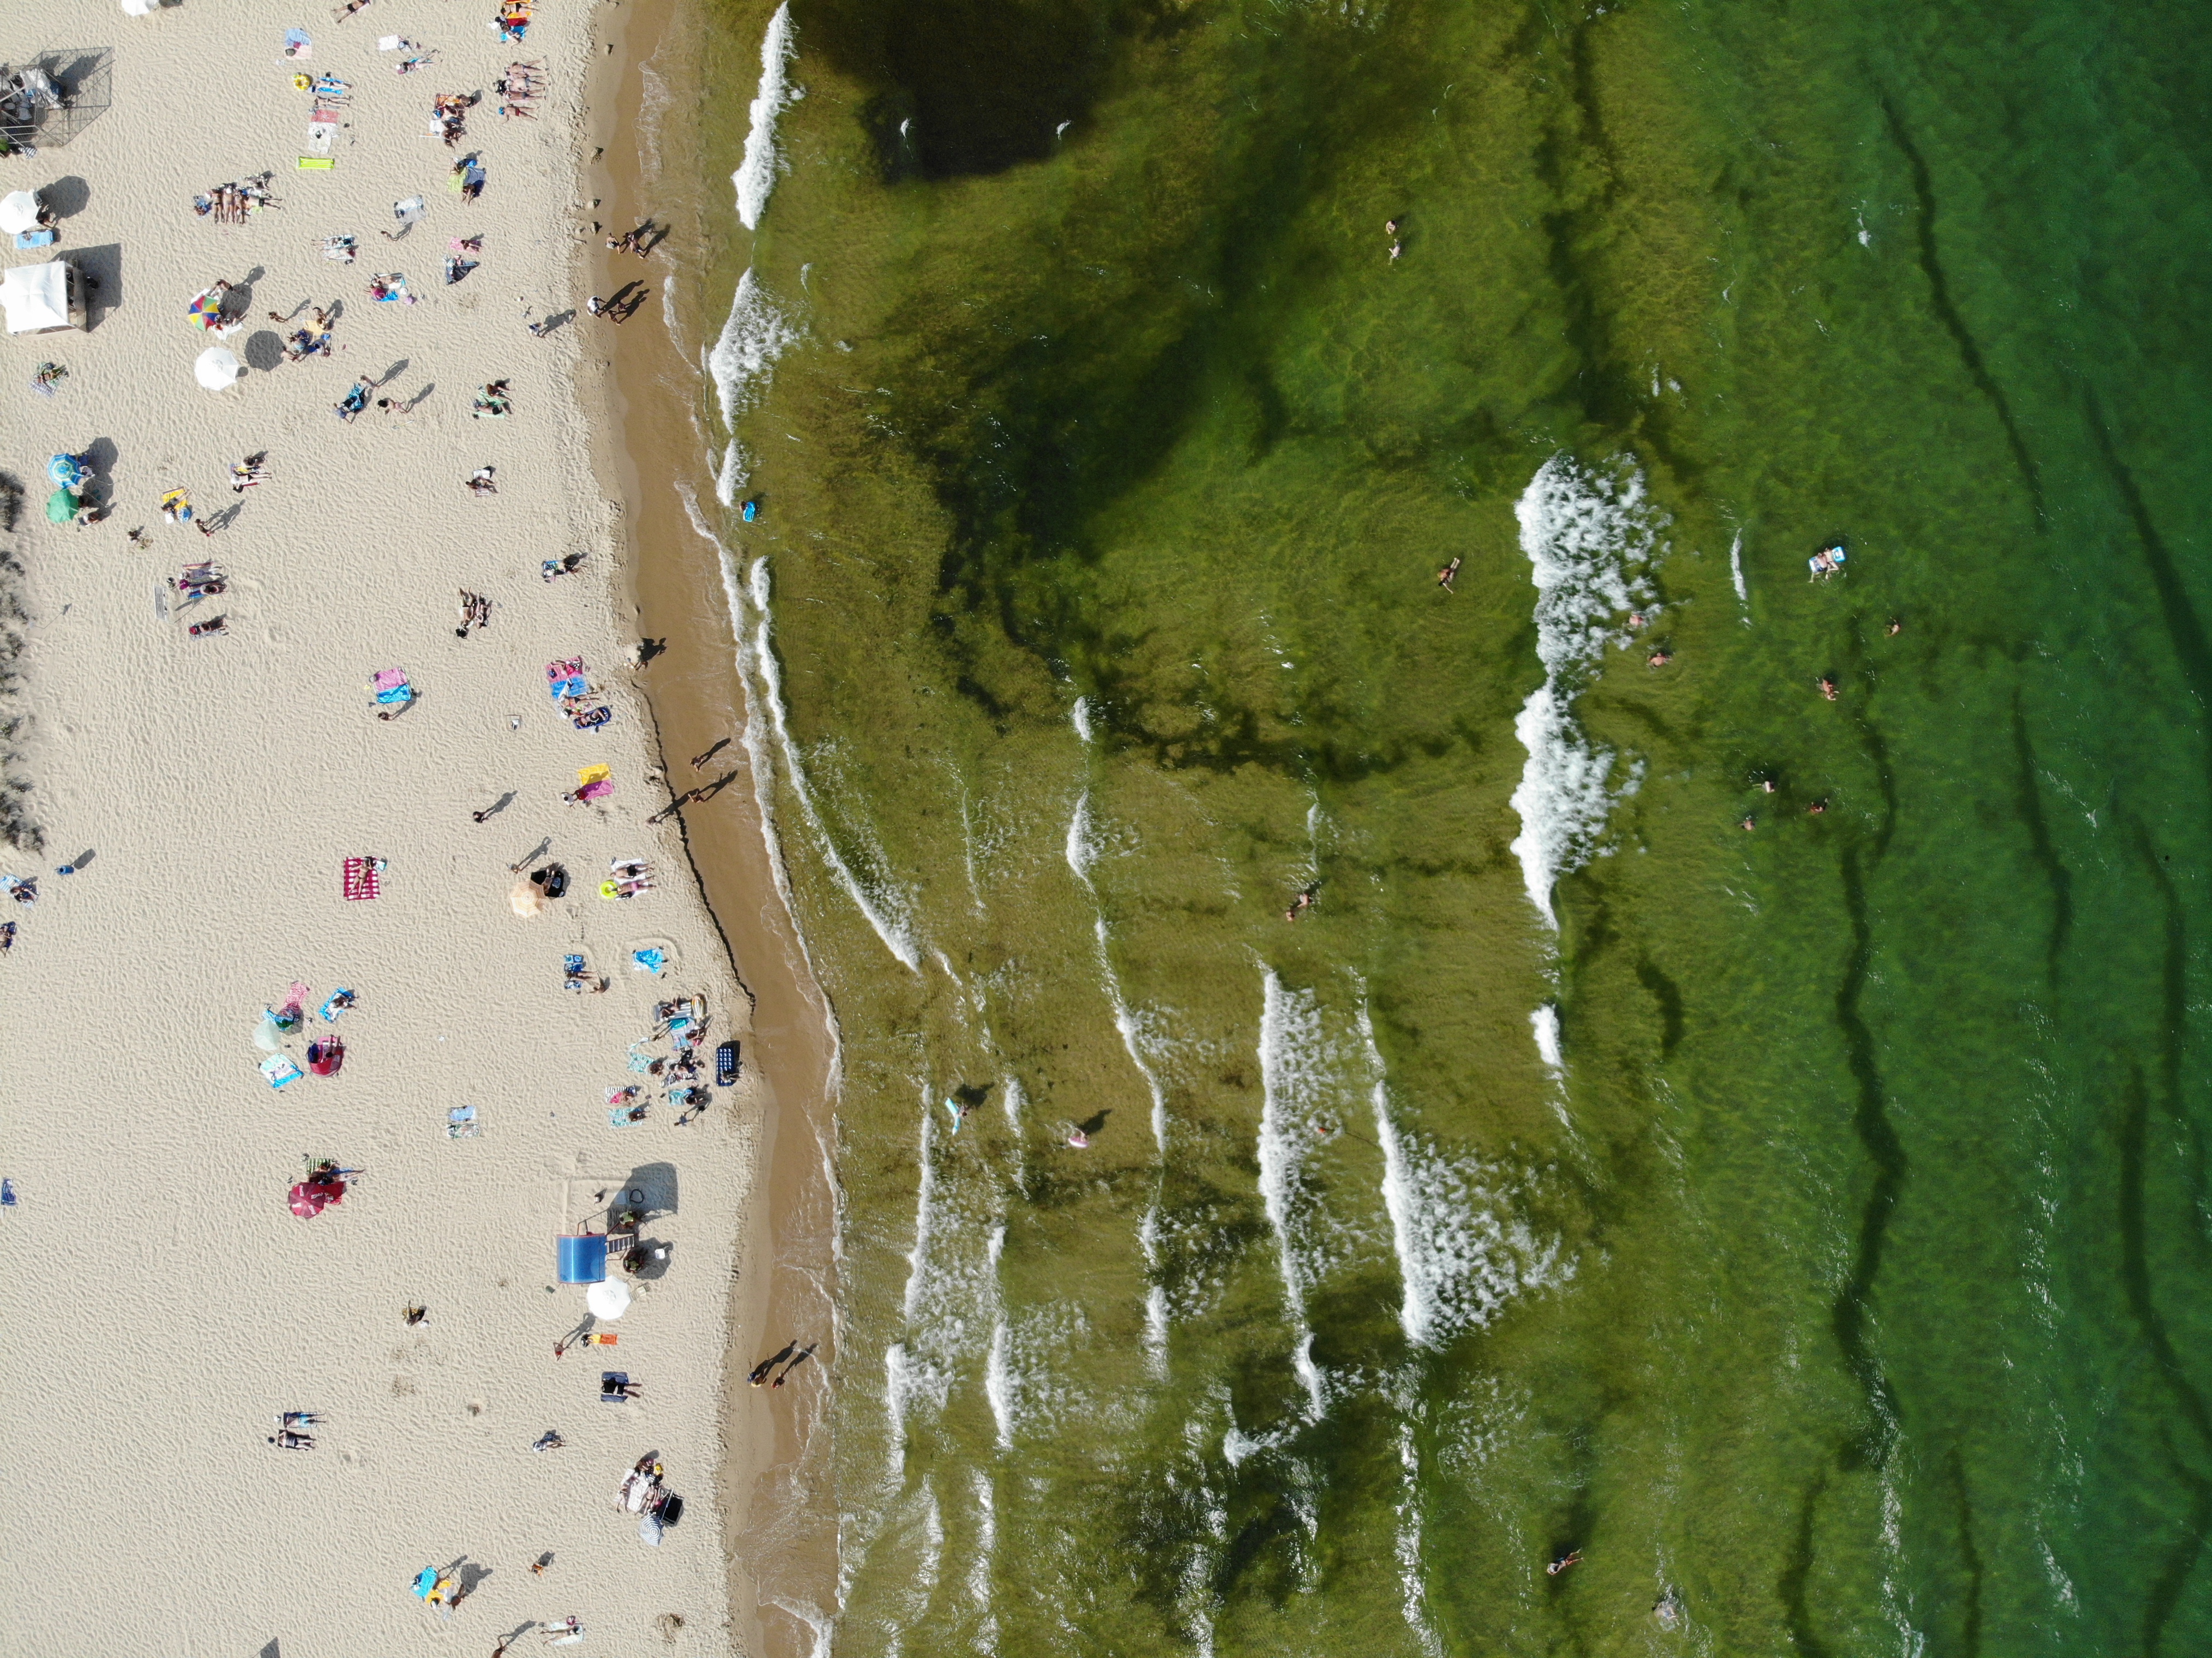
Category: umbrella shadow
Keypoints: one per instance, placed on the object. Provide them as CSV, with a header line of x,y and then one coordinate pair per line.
x,y
67,198
264,351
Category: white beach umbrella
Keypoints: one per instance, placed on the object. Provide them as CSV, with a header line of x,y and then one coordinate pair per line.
x,y
217,367
137,7
608,1298
19,211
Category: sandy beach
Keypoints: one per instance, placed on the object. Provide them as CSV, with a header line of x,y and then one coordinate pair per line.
x,y
171,1305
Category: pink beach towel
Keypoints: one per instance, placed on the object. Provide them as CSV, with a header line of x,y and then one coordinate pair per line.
x,y
360,877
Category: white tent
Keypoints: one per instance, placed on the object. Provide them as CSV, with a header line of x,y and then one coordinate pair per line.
x,y
216,367
19,211
36,298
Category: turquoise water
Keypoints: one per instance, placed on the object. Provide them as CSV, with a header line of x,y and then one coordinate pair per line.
x,y
1808,1224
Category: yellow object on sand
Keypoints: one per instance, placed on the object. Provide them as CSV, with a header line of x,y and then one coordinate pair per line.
x,y
589,775
316,164
527,898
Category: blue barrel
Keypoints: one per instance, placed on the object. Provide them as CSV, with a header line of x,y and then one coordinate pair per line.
x,y
583,1261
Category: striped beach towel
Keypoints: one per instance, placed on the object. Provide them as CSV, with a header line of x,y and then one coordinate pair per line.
x,y
360,879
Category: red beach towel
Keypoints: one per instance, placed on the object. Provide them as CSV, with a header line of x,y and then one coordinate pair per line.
x,y
361,880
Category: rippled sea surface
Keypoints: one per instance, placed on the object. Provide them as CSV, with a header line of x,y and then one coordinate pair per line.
x,y
1808,1223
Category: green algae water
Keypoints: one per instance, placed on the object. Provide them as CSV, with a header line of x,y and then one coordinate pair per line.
x,y
1792,1199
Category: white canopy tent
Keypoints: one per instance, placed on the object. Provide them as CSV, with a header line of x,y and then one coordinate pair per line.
x,y
38,298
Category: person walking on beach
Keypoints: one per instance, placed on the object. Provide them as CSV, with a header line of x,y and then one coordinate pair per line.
x,y
760,1370
801,1359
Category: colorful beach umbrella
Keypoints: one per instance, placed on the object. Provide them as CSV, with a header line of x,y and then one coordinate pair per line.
x,y
61,506
310,1197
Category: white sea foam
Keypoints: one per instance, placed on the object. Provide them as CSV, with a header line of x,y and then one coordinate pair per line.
x,y
885,909
982,1557
1132,1039
754,335
1544,1024
758,171
1082,850
924,1210
1410,1578
998,1386
1588,536
1156,1294
1080,715
1735,571
1464,1249
1290,1032
895,1369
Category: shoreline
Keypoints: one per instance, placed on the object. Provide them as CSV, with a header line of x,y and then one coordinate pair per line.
x,y
217,781
781,1556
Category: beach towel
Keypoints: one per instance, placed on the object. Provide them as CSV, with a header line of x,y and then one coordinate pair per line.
x,y
362,878
280,1071
648,960
587,775
332,1008
567,668
461,1123
297,46
587,720
316,164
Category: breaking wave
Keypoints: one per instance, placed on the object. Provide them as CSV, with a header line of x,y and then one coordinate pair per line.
x,y
754,335
1589,537
886,912
758,171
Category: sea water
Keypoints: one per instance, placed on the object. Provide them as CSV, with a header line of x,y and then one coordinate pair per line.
x,y
1794,1198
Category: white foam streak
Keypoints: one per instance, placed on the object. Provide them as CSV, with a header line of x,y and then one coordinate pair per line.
x,y
754,335
1416,1313
1409,1548
997,1383
1586,536
1735,571
1126,1023
1288,1024
1080,716
757,173
1462,1252
1543,1024
1082,852
925,1214
1156,1295
885,913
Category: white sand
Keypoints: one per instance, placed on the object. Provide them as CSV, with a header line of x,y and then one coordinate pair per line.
x,y
163,1303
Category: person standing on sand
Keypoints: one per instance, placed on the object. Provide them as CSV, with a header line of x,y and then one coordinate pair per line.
x,y
760,1370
